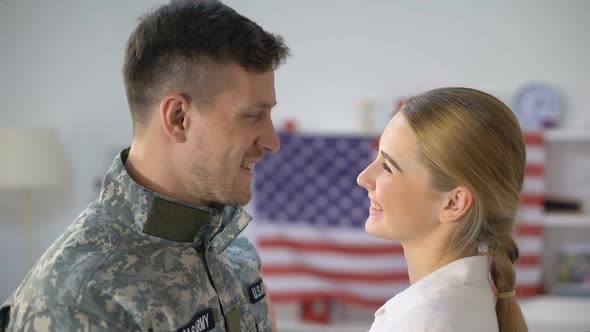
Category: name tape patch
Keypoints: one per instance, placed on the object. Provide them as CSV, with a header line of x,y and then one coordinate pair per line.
x,y
201,322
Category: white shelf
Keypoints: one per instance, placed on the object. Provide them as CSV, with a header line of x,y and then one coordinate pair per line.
x,y
556,313
567,220
567,135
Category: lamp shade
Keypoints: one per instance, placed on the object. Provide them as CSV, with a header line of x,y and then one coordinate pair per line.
x,y
30,158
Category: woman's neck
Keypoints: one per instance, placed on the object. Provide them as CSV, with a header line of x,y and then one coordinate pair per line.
x,y
425,257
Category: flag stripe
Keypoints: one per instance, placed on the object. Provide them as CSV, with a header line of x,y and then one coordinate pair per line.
x,y
534,185
300,231
529,229
318,295
535,170
533,200
301,282
329,247
535,155
529,260
528,290
534,139
278,256
335,275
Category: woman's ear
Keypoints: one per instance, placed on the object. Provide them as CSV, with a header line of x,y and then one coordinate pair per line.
x,y
456,204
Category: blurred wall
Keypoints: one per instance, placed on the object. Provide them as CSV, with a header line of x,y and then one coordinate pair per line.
x,y
60,66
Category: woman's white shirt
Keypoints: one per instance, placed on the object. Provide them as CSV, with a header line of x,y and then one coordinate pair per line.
x,y
457,297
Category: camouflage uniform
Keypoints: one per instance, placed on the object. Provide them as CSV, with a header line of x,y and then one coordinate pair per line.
x,y
135,260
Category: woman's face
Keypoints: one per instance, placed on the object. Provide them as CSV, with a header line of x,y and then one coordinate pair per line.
x,y
403,204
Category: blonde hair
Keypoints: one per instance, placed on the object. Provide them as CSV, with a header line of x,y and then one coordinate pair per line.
x,y
467,137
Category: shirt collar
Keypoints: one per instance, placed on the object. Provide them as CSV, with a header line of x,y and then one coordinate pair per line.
x,y
468,270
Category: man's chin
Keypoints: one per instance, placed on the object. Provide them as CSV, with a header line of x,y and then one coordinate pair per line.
x,y
241,199
245,199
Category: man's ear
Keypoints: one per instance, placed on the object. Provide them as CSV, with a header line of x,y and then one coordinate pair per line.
x,y
173,116
456,204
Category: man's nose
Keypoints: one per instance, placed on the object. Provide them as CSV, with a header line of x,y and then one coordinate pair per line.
x,y
269,141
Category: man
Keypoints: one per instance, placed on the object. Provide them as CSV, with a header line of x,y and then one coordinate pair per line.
x,y
158,250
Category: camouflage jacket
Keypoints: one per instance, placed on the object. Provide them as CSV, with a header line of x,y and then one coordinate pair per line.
x,y
135,260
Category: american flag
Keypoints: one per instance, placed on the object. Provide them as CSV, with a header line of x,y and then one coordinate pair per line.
x,y
310,216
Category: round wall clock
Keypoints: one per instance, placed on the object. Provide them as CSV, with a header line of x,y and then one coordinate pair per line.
x,y
538,106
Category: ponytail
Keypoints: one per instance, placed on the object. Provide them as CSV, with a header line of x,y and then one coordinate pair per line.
x,y
508,313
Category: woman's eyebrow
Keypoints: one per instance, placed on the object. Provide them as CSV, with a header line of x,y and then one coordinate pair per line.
x,y
391,161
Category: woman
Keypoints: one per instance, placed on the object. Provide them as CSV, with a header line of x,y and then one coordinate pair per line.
x,y
446,184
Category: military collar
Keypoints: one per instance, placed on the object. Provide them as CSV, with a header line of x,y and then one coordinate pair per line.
x,y
167,218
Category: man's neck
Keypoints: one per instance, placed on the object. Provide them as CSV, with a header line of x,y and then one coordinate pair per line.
x,y
151,173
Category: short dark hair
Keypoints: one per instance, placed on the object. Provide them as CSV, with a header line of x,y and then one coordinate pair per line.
x,y
179,46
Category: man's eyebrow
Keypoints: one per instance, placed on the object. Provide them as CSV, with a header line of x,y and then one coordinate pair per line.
x,y
263,104
391,161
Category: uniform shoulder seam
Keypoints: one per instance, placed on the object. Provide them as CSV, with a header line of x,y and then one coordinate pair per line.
x,y
84,284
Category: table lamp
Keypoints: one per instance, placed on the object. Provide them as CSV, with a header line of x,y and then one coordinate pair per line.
x,y
30,159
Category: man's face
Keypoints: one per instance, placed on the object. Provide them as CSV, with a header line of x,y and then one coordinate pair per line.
x,y
229,136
